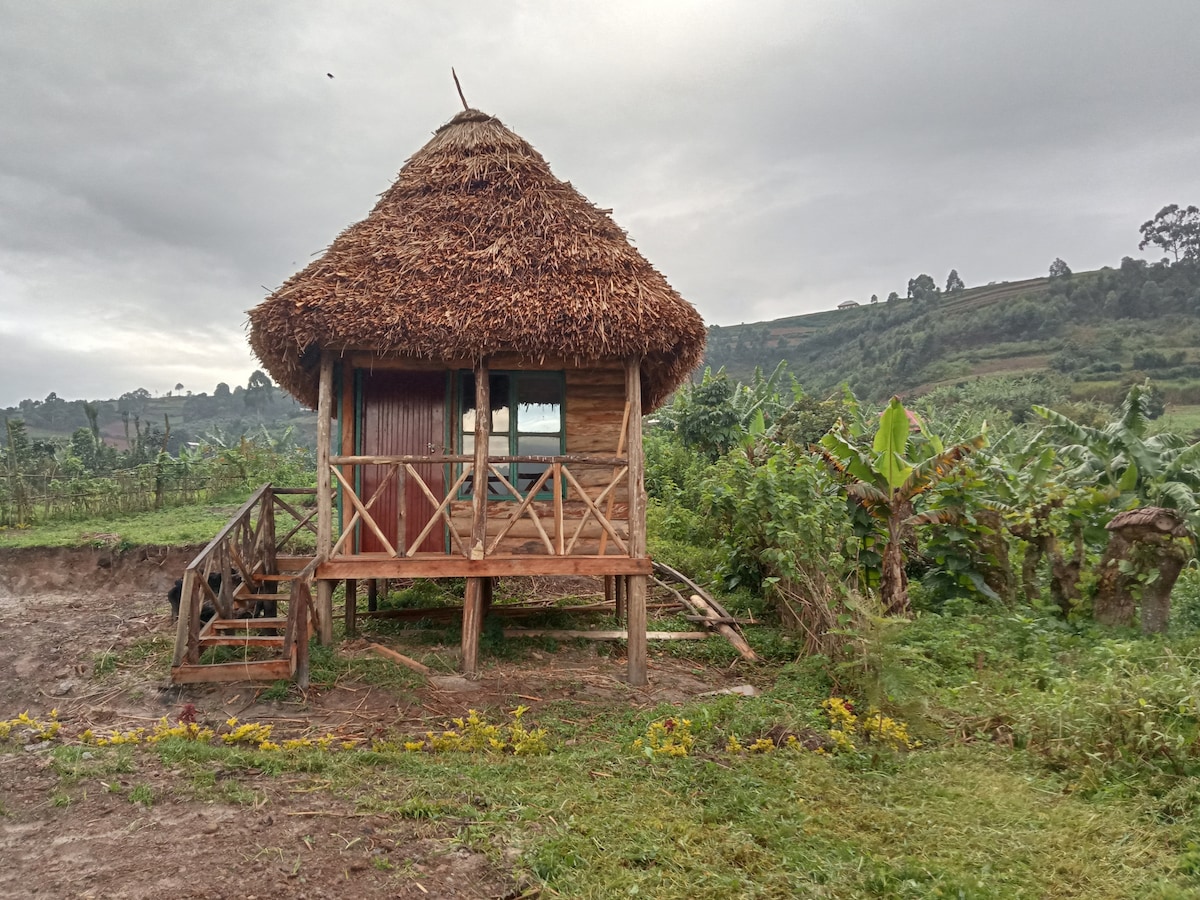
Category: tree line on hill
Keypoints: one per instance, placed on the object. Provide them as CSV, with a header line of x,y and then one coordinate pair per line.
x,y
71,458
138,420
1134,320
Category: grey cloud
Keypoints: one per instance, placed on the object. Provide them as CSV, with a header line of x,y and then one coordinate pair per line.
x,y
166,162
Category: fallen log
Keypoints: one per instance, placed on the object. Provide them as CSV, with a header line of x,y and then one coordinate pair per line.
x,y
727,631
682,600
406,661
568,634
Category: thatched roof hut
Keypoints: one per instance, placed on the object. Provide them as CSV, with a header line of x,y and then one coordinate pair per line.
x,y
478,249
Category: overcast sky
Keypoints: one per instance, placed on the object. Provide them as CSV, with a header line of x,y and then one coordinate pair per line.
x,y
165,165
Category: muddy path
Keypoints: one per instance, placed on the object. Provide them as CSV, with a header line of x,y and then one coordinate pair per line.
x,y
66,615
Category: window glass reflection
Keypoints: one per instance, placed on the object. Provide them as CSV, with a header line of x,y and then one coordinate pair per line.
x,y
539,405
526,420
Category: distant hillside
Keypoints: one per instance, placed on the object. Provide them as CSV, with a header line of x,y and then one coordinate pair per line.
x,y
1103,329
225,415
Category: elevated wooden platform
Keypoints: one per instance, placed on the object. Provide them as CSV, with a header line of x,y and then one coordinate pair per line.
x,y
437,565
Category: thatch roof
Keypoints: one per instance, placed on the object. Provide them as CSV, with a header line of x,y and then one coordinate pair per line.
x,y
477,248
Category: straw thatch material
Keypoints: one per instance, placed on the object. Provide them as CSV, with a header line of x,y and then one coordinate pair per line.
x,y
476,249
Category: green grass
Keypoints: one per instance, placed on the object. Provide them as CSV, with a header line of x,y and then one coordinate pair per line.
x,y
963,816
1180,419
596,819
177,526
1032,782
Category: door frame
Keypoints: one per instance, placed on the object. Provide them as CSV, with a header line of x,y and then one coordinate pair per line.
x,y
360,433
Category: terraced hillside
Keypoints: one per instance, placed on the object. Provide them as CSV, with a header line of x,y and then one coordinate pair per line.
x,y
1103,329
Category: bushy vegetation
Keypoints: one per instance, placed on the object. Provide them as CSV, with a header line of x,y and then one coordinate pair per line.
x,y
71,459
1014,573
43,481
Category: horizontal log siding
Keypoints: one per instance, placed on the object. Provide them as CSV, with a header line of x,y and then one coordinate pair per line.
x,y
595,405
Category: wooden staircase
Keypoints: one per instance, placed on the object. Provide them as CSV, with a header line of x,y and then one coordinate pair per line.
x,y
233,645
272,647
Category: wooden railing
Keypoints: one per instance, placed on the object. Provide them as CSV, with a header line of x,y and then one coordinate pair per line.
x,y
564,488
245,554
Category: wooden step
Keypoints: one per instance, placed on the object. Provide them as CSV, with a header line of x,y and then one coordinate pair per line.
x,y
285,576
257,670
245,624
247,597
233,640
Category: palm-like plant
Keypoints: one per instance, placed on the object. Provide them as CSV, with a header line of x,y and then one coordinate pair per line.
x,y
1139,469
1040,507
886,476
1136,471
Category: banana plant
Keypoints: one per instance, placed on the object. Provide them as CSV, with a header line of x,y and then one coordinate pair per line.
x,y
885,477
1136,471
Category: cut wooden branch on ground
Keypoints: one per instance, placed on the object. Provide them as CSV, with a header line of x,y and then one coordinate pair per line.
x,y
705,606
739,642
406,661
621,635
683,601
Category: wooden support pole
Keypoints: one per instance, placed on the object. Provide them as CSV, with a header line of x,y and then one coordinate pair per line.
x,y
473,600
324,606
479,472
269,548
346,425
621,438
636,596
559,538
373,595
620,593
300,617
351,607
187,629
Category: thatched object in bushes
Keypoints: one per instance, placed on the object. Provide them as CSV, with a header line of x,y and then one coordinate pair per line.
x,y
478,249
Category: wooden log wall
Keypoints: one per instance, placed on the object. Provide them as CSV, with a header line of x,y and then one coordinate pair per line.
x,y
595,410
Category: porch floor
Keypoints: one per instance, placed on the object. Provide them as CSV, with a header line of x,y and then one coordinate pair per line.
x,y
439,565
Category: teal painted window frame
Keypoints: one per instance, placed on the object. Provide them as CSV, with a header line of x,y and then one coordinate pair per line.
x,y
465,376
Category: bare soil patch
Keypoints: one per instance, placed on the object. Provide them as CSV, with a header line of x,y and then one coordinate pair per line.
x,y
62,612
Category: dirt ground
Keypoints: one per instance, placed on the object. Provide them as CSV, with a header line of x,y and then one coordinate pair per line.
x,y
61,610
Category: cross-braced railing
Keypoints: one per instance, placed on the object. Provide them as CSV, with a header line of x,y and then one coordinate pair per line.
x,y
558,486
240,567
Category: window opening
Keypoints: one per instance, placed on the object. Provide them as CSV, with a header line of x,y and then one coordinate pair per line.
x,y
527,419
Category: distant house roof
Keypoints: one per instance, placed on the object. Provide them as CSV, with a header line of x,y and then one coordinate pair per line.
x,y
847,304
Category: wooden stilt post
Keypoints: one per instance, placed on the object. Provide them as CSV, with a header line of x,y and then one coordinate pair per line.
x,y
373,595
351,607
324,495
473,601
347,426
636,584
620,592
187,629
608,589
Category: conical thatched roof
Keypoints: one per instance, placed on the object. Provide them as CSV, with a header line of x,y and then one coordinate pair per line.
x,y
476,249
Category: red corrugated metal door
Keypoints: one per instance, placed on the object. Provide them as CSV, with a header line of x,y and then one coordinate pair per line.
x,y
403,414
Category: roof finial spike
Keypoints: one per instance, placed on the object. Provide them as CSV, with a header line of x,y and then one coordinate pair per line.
x,y
459,86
